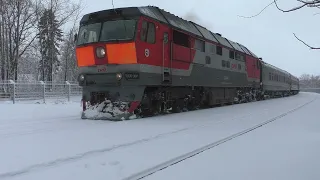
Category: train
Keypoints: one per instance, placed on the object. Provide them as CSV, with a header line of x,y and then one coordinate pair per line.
x,y
144,61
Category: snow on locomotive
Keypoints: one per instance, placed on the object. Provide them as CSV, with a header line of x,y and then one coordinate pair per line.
x,y
142,61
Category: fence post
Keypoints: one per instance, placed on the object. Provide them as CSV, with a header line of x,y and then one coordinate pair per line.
x,y
44,91
69,90
14,91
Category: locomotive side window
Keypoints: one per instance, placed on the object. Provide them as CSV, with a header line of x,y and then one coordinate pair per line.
x,y
200,45
144,29
231,54
223,63
240,57
228,64
208,60
212,48
151,36
270,76
180,39
237,56
219,50
148,32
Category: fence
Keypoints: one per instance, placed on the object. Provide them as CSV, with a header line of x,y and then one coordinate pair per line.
x,y
315,90
38,90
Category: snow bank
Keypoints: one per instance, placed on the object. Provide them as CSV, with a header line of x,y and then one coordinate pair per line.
x,y
108,110
102,110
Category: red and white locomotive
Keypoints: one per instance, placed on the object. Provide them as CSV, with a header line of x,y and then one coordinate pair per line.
x,y
146,61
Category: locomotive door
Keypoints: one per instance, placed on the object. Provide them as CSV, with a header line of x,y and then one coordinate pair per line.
x,y
254,64
166,59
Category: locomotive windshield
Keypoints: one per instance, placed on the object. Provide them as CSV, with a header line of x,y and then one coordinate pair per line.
x,y
110,31
89,33
118,30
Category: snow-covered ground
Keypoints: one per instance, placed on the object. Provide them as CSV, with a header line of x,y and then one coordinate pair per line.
x,y
50,141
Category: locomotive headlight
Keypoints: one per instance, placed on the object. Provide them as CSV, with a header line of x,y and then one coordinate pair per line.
x,y
118,76
81,78
100,52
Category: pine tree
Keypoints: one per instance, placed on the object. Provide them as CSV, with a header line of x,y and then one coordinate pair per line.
x,y
50,36
68,57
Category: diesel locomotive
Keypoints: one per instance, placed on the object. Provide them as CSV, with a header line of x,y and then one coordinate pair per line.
x,y
142,61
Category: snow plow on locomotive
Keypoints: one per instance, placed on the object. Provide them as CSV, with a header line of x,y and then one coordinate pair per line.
x,y
142,61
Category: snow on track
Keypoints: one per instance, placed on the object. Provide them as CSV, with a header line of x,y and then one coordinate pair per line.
x,y
79,149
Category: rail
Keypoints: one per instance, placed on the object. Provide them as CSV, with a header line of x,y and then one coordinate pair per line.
x,y
38,90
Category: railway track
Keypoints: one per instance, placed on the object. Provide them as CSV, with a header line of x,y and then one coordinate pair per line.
x,y
147,172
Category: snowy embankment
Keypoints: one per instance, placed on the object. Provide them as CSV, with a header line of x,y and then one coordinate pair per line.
x,y
51,142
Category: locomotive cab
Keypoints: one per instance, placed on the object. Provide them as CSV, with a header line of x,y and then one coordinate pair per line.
x,y
107,58
120,54
109,42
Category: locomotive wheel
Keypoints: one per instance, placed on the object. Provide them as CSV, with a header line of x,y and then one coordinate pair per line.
x,y
177,106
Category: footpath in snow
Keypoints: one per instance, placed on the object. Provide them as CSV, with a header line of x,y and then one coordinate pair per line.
x,y
52,142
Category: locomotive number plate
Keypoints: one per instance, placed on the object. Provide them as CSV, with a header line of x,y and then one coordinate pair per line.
x,y
132,76
102,68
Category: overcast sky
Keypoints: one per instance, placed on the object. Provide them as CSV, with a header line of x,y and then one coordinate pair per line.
x,y
269,35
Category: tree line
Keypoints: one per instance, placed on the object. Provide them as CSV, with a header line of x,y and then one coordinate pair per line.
x,y
36,40
309,81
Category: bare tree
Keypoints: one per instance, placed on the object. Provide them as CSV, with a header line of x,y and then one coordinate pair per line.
x,y
19,31
17,23
309,81
303,3
69,57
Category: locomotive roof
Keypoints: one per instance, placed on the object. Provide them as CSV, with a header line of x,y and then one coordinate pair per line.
x,y
168,18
